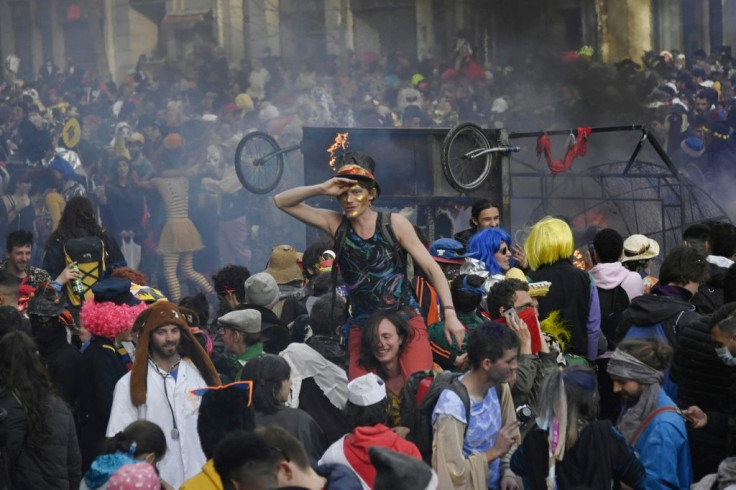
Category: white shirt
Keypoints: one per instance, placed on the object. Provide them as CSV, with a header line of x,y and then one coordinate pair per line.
x,y
184,457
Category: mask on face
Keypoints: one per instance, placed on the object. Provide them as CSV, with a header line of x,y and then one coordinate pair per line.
x,y
725,356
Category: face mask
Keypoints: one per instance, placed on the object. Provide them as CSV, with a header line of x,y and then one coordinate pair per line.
x,y
725,356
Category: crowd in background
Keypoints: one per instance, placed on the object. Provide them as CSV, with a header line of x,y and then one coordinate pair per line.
x,y
212,102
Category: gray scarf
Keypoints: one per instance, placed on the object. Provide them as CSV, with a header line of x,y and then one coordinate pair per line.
x,y
626,366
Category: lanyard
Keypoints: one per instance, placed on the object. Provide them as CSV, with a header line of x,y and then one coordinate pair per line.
x,y
164,375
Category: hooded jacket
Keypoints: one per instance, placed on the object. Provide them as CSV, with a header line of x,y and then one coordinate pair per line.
x,y
352,450
710,296
665,304
609,275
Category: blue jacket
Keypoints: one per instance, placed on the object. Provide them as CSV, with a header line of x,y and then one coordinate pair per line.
x,y
664,451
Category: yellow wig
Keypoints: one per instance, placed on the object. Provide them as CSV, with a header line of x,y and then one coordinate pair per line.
x,y
550,240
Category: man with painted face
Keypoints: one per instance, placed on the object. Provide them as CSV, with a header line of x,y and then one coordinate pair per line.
x,y
651,423
169,362
369,265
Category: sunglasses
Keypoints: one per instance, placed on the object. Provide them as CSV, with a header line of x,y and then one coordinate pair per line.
x,y
239,385
504,250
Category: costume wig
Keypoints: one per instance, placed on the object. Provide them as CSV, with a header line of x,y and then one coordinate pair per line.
x,y
107,319
549,240
484,244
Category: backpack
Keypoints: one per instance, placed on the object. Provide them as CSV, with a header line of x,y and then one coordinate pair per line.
x,y
89,254
613,303
421,392
429,303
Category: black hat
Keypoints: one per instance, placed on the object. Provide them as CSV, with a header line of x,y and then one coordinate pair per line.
x,y
358,166
115,290
47,301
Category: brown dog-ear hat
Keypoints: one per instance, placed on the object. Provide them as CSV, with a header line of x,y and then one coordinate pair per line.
x,y
159,314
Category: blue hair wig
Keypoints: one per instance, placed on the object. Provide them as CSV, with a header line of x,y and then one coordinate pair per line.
x,y
484,244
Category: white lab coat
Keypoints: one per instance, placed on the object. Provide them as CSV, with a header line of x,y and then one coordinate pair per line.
x,y
184,457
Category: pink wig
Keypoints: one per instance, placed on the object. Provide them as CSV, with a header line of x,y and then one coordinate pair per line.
x,y
106,319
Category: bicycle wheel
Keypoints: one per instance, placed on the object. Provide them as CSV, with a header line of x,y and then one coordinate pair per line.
x,y
257,162
462,172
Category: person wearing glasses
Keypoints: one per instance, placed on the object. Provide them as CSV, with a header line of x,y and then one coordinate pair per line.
x,y
169,363
492,246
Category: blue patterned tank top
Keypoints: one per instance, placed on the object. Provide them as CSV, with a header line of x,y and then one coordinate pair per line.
x,y
372,274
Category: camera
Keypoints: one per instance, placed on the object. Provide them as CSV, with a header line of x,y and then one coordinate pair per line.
x,y
524,414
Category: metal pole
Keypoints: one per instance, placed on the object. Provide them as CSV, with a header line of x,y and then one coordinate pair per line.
x,y
505,180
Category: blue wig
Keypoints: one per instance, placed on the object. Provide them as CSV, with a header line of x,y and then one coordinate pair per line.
x,y
484,244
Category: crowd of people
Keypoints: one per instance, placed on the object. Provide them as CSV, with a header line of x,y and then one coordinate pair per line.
x,y
376,358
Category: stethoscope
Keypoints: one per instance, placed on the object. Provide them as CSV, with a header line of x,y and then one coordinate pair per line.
x,y
175,430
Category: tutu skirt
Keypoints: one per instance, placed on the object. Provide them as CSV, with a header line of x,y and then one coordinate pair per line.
x,y
179,236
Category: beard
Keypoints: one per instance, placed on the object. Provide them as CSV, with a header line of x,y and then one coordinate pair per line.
x,y
631,399
165,351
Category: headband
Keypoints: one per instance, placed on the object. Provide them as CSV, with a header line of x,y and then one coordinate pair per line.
x,y
355,170
626,366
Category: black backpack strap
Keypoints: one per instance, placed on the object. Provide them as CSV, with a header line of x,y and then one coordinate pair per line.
x,y
460,390
388,233
387,230
339,240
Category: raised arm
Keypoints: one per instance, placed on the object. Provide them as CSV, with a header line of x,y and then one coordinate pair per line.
x,y
410,242
292,202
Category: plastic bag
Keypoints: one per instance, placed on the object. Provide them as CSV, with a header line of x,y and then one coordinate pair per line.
x,y
131,252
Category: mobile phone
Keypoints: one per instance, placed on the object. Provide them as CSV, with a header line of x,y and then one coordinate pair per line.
x,y
511,314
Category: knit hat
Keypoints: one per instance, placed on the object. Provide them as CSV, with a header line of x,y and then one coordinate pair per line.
x,y
138,476
639,247
112,310
104,467
448,251
261,289
693,147
283,264
246,321
366,390
163,313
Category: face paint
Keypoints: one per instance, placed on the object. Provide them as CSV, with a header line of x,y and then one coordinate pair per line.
x,y
355,201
